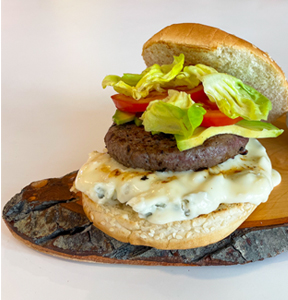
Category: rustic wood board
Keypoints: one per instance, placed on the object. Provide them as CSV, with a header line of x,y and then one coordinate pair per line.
x,y
47,217
275,210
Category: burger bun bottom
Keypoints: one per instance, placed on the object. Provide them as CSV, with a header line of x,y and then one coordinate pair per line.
x,y
122,223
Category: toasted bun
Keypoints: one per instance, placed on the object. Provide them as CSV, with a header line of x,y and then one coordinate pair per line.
x,y
224,52
123,224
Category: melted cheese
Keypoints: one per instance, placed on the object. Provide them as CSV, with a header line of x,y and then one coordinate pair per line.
x,y
163,197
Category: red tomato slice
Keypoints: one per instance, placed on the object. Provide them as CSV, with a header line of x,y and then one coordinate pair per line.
x,y
217,118
129,104
213,116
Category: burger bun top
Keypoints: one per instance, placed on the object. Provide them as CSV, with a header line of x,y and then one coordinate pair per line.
x,y
226,53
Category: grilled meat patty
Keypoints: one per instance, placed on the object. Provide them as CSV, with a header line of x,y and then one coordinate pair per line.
x,y
134,147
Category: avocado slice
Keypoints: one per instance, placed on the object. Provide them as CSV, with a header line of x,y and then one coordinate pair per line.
x,y
121,117
138,122
248,129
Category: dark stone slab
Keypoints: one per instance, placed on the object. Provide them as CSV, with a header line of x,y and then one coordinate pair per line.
x,y
46,216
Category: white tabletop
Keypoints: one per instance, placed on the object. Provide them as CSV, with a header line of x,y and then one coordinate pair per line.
x,y
54,112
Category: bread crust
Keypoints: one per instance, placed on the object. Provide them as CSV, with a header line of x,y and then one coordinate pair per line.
x,y
224,52
204,38
122,223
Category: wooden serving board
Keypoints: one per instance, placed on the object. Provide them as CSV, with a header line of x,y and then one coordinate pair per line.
x,y
275,210
49,218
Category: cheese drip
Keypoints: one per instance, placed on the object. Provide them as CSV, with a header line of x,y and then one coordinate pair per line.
x,y
163,197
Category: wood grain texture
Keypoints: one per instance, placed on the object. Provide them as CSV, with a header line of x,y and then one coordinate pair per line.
x,y
275,210
49,218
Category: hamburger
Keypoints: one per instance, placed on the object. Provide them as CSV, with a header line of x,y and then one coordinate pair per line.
x,y
183,167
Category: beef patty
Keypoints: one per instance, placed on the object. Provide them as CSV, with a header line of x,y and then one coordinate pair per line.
x,y
134,147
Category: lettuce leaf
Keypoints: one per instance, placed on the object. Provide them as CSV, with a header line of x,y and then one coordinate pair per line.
x,y
234,98
179,99
198,72
153,78
131,79
176,114
263,127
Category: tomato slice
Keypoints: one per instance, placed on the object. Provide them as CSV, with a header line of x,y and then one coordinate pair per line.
x,y
213,116
217,118
129,104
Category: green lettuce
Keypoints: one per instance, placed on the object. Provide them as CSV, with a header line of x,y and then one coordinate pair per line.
x,y
198,72
153,78
234,98
266,129
176,114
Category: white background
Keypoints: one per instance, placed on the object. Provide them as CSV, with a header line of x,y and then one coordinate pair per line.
x,y
54,112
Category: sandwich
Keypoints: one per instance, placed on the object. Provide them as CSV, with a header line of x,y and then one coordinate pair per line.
x,y
183,167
